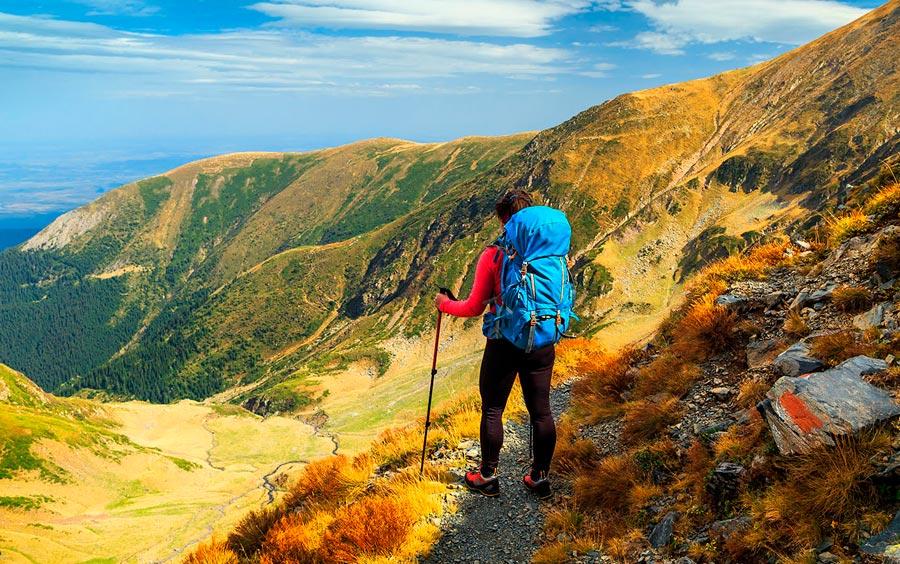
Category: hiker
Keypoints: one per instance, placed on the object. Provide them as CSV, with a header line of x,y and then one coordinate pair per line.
x,y
521,336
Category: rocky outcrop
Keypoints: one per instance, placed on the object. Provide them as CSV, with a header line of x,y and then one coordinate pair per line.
x,y
813,410
796,360
66,228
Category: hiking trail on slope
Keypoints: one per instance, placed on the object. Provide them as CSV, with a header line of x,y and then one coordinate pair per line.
x,y
505,528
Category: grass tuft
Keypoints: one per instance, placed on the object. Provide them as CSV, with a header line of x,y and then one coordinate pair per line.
x,y
886,203
851,299
834,348
847,226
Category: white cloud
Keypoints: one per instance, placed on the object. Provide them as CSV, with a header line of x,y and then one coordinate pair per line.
x,y
662,43
512,18
258,60
722,56
602,28
650,76
791,22
599,70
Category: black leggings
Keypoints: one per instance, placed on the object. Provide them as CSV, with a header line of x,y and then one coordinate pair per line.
x,y
499,366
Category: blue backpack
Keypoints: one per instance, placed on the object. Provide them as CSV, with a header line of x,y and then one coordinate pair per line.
x,y
536,291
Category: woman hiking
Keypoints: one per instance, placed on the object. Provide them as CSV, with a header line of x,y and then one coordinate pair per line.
x,y
524,279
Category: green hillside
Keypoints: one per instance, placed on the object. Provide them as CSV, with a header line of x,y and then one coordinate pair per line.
x,y
267,273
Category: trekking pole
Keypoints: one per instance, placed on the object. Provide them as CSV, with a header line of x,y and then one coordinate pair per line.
x,y
437,339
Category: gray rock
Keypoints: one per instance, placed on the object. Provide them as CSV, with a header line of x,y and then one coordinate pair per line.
x,y
828,558
760,353
795,360
800,301
862,366
733,302
662,532
886,543
809,411
871,318
722,392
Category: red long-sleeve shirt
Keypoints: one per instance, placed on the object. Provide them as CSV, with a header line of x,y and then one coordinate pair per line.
x,y
484,289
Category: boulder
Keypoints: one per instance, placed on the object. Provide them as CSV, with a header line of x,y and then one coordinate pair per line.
x,y
662,532
760,353
885,544
812,410
733,302
809,298
871,318
796,360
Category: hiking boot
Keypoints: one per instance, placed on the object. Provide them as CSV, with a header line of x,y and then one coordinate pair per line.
x,y
540,486
489,487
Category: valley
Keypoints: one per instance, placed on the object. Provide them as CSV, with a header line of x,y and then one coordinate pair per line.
x,y
198,336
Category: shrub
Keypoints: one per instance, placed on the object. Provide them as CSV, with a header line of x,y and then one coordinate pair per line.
x,y
834,348
850,225
851,298
645,419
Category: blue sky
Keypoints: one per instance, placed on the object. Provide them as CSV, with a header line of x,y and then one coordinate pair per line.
x,y
100,92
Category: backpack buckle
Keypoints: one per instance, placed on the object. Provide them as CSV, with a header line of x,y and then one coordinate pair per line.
x,y
524,270
558,318
533,319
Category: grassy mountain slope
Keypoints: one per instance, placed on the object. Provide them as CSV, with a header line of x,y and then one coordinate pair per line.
x,y
119,276
276,276
130,481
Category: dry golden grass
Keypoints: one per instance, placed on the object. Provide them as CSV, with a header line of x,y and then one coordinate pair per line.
x,y
666,374
834,348
849,225
374,526
795,325
886,255
751,264
572,454
851,299
705,329
739,441
606,487
751,392
646,419
337,511
604,379
886,203
249,534
212,552
822,493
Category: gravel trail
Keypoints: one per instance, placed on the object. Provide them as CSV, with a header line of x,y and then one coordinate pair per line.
x,y
505,528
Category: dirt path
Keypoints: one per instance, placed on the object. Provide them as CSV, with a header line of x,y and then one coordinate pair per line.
x,y
505,528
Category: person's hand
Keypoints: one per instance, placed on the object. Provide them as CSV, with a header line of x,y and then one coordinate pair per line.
x,y
439,299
